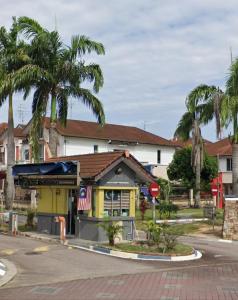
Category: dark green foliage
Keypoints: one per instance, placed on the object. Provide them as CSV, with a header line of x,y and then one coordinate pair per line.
x,y
30,218
112,230
165,209
180,169
170,236
165,188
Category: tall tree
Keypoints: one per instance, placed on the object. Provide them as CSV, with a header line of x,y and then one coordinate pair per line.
x,y
12,57
200,103
63,71
229,110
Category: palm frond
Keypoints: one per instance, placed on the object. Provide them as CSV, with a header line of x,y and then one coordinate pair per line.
x,y
185,126
81,45
29,27
92,102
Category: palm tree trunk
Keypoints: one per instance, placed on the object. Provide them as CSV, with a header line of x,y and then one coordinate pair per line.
x,y
53,139
10,189
235,169
198,178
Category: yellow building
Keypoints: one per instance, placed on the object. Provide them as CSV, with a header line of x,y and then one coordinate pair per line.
x,y
85,189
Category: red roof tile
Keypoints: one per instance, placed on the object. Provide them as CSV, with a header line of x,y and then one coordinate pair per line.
x,y
182,144
111,132
222,147
91,165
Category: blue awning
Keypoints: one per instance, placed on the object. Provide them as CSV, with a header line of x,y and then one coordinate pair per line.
x,y
54,168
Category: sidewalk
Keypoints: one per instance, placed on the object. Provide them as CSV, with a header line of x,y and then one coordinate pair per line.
x,y
7,271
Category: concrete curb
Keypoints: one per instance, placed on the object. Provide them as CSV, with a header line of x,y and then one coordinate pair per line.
x,y
106,251
180,221
120,254
10,271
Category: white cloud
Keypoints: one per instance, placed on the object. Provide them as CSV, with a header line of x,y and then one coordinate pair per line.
x,y
156,51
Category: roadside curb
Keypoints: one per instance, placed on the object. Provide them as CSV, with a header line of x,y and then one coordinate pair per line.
x,y
106,251
9,271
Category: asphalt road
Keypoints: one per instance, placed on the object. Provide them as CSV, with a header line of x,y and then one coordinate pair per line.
x,y
59,272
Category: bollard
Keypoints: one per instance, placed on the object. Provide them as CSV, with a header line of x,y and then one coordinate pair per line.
x,y
13,223
61,220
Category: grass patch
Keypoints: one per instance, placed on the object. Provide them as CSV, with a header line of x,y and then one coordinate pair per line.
x,y
25,228
179,249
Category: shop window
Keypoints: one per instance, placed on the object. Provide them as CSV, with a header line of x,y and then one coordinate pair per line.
x,y
116,203
229,164
158,157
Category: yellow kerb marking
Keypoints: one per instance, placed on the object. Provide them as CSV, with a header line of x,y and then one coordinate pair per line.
x,y
8,251
41,249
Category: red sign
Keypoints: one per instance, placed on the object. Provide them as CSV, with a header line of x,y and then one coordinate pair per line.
x,y
214,189
154,189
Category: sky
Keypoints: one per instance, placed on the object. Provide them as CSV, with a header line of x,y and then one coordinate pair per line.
x,y
157,51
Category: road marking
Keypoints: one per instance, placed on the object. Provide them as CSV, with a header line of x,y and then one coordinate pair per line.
x,y
225,241
41,249
218,255
8,251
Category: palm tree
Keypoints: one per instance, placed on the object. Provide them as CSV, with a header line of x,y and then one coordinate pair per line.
x,y
229,115
12,57
202,104
62,73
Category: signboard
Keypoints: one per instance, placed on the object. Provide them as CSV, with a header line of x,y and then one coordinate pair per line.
x,y
154,189
29,182
214,189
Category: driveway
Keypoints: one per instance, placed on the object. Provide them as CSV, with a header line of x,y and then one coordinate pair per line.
x,y
58,272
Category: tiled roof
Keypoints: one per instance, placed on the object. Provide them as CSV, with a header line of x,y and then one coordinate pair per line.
x,y
108,132
18,131
222,148
182,144
91,165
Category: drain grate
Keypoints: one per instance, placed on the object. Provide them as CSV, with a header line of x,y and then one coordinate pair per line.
x,y
45,290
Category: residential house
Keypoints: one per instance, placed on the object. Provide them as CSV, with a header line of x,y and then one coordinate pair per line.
x,y
83,137
223,151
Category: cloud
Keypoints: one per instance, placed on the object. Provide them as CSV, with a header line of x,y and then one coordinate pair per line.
x,y
156,52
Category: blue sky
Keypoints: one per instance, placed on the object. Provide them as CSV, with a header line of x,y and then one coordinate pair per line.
x,y
156,52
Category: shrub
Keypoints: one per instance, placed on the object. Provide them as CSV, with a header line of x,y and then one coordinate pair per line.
x,y
153,233
30,218
170,236
165,188
166,208
112,230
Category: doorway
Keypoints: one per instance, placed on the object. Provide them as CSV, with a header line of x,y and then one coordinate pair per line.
x,y
72,211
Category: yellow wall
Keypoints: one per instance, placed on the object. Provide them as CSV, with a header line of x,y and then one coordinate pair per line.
x,y
53,200
100,199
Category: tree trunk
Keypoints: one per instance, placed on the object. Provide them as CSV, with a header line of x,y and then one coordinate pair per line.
x,y
198,178
10,189
53,139
235,169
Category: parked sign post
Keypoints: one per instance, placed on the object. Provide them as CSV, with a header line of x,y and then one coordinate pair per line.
x,y
154,190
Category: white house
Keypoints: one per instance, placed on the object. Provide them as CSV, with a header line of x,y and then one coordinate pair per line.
x,y
82,137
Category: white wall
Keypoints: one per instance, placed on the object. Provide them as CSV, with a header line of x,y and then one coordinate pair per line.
x,y
222,163
144,153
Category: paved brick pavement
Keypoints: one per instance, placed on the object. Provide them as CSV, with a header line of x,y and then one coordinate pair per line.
x,y
205,282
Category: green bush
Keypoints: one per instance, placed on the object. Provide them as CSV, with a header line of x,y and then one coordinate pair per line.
x,y
165,188
170,236
30,218
153,233
112,230
165,209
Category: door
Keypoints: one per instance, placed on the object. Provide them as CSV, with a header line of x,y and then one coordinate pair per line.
x,y
72,211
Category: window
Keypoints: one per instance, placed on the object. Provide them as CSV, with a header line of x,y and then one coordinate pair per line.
x,y
26,154
41,152
2,155
158,156
116,203
229,164
95,148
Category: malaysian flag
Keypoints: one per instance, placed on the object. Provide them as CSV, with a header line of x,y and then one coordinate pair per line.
x,y
84,198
